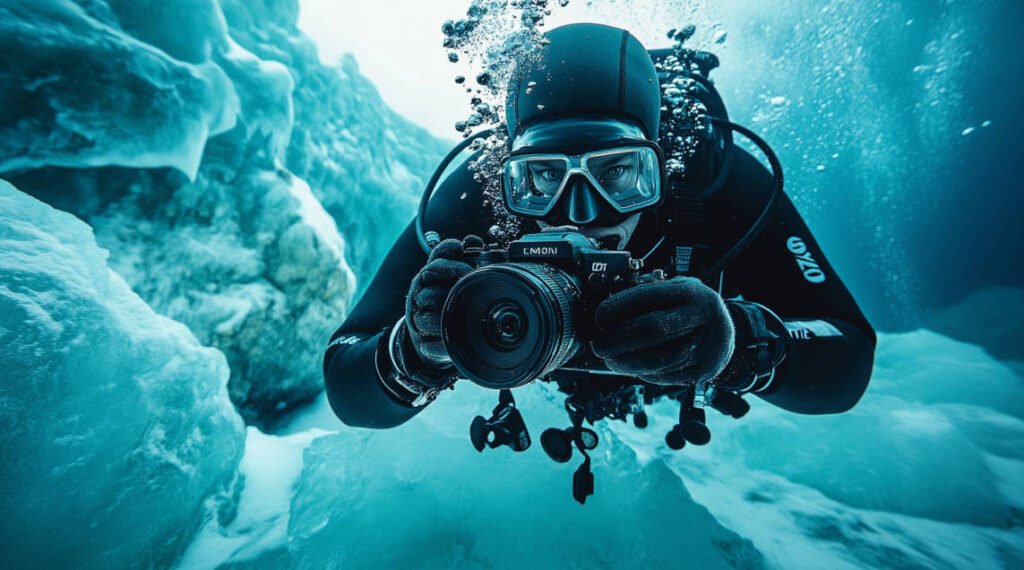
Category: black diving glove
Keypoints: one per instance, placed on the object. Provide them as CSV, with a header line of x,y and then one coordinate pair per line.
x,y
761,344
416,346
676,331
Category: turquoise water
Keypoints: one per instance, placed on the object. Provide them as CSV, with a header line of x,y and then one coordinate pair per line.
x,y
196,162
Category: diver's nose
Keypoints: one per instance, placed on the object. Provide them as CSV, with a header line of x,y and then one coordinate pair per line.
x,y
583,206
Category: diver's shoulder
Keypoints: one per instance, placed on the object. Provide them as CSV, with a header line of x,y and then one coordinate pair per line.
x,y
748,176
747,187
458,204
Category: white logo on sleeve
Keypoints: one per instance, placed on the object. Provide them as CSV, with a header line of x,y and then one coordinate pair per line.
x,y
806,330
812,272
346,340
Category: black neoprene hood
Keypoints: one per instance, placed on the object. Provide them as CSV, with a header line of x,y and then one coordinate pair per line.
x,y
586,70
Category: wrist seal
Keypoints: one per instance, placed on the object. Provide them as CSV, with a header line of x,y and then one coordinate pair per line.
x,y
761,343
403,374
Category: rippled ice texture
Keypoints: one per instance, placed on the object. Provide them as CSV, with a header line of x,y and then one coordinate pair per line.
x,y
116,430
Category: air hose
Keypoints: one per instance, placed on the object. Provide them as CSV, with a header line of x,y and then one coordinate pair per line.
x,y
421,234
428,239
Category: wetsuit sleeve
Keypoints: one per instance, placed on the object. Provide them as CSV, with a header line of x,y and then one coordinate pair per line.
x,y
351,362
357,354
831,344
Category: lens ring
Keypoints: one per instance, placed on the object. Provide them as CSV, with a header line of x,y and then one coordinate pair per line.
x,y
506,324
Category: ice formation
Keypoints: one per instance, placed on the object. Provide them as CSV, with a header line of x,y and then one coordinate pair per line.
x,y
420,496
216,158
115,425
79,92
366,164
925,472
922,473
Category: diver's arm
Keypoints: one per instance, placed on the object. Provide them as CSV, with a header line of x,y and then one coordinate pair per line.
x,y
356,363
378,379
829,352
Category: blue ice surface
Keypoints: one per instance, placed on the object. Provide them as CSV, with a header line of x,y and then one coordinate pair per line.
x,y
115,424
925,472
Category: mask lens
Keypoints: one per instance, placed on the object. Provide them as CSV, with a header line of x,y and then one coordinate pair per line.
x,y
533,183
629,178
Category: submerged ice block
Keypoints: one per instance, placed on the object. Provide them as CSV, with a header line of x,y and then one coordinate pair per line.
x,y
115,426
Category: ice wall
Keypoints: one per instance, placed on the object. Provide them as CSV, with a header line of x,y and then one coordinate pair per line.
x,y
79,92
365,163
115,424
196,138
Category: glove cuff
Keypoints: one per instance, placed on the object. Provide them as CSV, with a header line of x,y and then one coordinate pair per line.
x,y
404,374
761,343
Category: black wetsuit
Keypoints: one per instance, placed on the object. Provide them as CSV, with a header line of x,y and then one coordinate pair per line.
x,y
831,351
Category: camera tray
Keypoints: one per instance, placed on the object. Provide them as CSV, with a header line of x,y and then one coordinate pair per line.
x,y
590,402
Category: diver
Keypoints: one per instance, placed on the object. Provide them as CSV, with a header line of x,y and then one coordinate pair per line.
x,y
587,130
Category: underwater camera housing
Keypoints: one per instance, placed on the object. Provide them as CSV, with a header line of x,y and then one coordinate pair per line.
x,y
527,310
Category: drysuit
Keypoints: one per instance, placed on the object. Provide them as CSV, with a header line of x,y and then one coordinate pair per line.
x,y
830,349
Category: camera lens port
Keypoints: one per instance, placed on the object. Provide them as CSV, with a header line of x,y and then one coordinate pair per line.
x,y
507,324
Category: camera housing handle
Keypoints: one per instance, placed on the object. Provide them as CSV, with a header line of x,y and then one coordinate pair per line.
x,y
505,427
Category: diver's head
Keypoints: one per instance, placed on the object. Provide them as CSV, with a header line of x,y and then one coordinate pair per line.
x,y
583,119
585,70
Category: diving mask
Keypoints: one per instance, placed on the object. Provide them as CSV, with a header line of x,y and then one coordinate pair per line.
x,y
628,178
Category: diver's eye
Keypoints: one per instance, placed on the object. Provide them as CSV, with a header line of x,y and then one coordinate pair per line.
x,y
550,175
614,173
